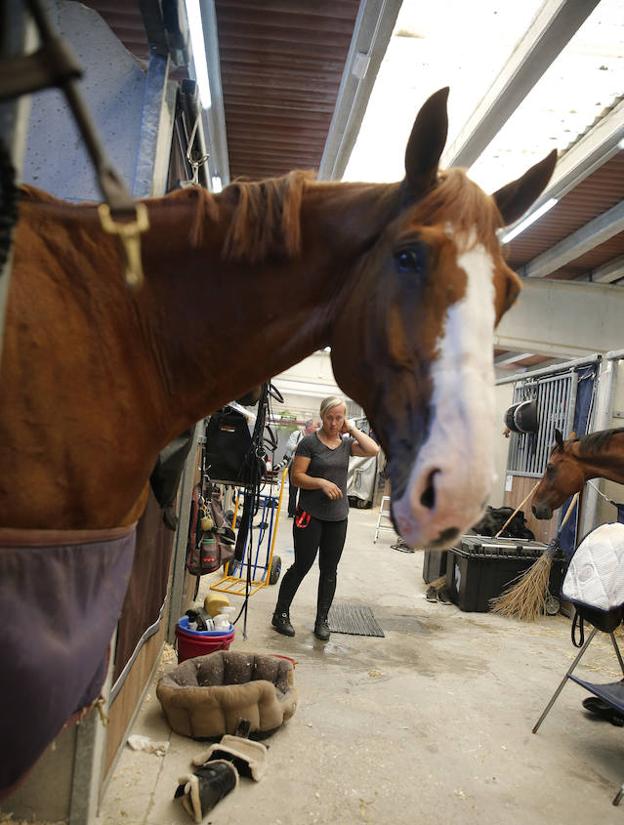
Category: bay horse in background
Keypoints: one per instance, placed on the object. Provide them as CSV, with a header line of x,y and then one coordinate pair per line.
x,y
573,462
404,281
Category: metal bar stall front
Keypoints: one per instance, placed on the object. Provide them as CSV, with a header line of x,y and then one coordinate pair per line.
x,y
555,368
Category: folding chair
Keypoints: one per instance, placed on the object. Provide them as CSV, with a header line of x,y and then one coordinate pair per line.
x,y
384,521
594,585
611,693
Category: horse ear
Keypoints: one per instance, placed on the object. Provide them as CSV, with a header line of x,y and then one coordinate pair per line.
x,y
426,143
514,199
572,436
559,439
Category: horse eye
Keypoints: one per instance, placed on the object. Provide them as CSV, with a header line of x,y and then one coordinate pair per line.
x,y
411,260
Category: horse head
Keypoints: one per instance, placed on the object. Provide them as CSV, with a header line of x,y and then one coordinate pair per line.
x,y
419,323
562,478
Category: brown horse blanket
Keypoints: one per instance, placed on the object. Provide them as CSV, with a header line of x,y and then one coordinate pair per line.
x,y
61,594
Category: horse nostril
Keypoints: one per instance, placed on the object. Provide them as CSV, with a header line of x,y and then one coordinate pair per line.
x,y
428,497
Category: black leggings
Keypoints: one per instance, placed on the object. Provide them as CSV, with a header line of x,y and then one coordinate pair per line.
x,y
326,537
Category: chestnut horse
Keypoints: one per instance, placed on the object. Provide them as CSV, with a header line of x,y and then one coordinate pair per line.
x,y
573,462
404,281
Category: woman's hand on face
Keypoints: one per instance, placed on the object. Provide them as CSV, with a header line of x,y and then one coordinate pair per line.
x,y
347,426
331,490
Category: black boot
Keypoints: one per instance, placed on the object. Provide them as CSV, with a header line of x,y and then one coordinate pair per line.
x,y
288,588
281,622
326,590
321,627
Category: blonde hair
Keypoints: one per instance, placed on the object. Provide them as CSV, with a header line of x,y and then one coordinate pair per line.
x,y
332,401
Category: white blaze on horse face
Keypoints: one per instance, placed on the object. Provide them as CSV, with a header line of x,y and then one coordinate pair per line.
x,y
457,457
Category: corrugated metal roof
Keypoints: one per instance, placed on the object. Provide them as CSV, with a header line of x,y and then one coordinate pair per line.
x,y
281,67
596,194
126,21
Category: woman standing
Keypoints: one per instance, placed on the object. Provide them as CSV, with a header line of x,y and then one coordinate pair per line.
x,y
320,471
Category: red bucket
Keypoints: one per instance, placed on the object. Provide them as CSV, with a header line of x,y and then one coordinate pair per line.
x,y
193,643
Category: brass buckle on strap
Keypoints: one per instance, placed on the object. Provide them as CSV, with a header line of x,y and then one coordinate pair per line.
x,y
130,235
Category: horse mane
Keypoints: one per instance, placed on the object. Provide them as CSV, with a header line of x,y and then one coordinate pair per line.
x,y
458,201
597,442
267,218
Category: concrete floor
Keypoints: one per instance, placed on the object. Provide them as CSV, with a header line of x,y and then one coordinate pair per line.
x,y
430,725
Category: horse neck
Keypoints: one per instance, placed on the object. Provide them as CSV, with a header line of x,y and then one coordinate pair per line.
x,y
230,325
607,463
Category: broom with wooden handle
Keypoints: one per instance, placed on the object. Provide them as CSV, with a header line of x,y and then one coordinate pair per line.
x,y
518,508
526,599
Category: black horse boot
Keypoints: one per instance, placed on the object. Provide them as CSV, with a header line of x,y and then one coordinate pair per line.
x,y
281,622
201,790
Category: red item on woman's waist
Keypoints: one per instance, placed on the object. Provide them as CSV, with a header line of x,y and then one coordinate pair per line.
x,y
302,519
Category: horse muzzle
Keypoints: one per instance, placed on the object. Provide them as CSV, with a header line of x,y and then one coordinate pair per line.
x,y
436,510
542,511
445,494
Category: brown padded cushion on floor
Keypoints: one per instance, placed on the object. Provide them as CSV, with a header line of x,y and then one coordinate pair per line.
x,y
209,695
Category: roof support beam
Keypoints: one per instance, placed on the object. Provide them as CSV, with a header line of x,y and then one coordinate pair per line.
x,y
152,162
218,161
371,35
588,237
504,360
563,319
609,272
596,147
549,33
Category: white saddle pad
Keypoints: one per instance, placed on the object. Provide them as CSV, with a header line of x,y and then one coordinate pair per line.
x,y
595,577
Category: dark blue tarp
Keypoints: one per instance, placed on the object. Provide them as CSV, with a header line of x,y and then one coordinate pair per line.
x,y
582,409
60,598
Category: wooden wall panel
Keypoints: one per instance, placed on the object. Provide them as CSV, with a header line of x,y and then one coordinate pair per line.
x,y
128,701
544,530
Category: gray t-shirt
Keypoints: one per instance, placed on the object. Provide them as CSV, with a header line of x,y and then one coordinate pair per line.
x,y
332,465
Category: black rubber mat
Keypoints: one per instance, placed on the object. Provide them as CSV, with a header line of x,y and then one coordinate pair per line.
x,y
353,620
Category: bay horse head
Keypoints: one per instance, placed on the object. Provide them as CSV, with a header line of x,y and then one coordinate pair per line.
x,y
562,477
419,324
